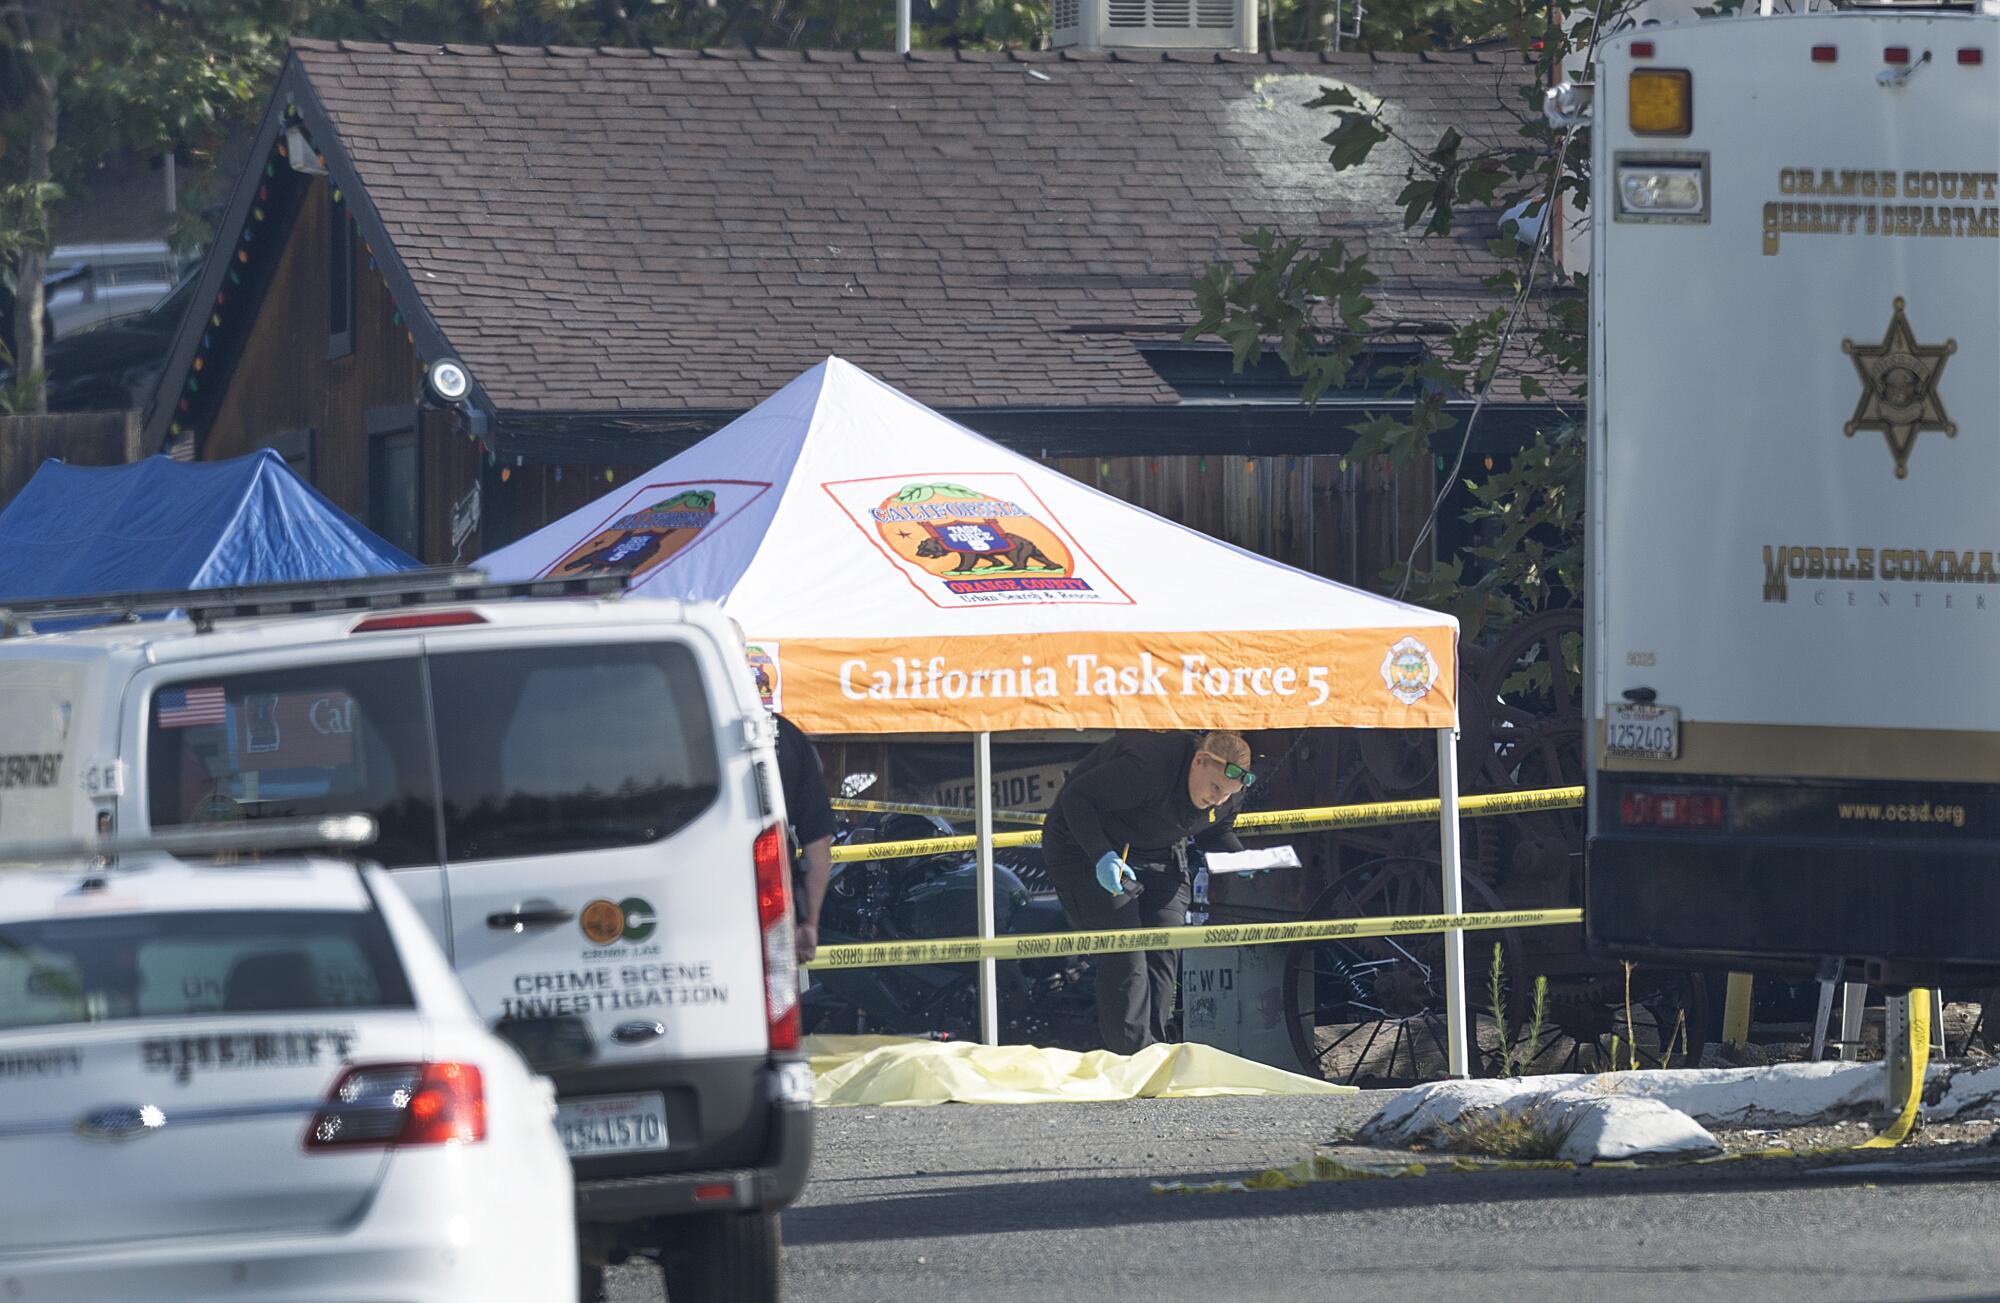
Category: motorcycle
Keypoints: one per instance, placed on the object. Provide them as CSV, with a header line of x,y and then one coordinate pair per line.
x,y
1049,1002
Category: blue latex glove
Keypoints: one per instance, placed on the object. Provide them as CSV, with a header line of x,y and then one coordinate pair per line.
x,y
1113,873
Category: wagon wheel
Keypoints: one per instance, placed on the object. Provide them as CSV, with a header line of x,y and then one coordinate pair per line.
x,y
1532,856
1533,675
1665,1025
1370,1011
1372,764
1524,731
1400,760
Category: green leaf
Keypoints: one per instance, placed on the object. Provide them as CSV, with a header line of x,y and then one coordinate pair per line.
x,y
1352,141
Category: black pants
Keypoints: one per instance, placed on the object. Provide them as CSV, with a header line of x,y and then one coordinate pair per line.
x,y
1135,990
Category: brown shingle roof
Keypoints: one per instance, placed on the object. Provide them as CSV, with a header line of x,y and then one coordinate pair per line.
x,y
671,229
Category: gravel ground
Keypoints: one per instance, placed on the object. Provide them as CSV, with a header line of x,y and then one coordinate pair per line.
x,y
1054,1202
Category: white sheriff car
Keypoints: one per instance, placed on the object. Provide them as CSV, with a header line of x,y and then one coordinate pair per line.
x,y
260,1081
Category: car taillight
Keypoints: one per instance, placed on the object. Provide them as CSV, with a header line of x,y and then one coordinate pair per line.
x,y
1672,807
394,1104
774,915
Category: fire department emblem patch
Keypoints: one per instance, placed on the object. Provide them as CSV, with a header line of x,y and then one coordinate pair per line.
x,y
1409,671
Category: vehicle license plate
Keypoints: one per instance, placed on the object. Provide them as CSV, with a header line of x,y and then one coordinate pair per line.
x,y
1642,732
612,1124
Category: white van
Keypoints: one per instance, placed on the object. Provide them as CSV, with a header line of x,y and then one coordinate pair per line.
x,y
579,796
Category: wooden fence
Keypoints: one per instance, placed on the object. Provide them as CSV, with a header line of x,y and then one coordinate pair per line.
x,y
80,438
1344,518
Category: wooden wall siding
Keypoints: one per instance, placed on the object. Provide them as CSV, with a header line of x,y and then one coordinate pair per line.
x,y
80,438
539,498
450,469
1348,523
285,381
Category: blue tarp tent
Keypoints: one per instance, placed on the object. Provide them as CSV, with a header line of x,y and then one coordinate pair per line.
x,y
162,524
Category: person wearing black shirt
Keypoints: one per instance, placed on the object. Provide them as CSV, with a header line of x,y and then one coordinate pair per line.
x,y
811,815
1116,848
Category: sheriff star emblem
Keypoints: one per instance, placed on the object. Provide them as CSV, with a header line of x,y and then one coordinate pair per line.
x,y
1899,380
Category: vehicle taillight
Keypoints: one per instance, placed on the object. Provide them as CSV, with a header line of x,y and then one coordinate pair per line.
x,y
774,915
419,620
1672,807
389,1105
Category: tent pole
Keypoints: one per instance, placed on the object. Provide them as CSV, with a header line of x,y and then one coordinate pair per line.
x,y
982,784
1457,1052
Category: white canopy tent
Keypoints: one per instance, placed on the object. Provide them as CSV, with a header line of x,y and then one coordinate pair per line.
x,y
897,573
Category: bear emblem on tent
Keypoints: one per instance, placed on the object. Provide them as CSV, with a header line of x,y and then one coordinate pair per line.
x,y
978,540
640,540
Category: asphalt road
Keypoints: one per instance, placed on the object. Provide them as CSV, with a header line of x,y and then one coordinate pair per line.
x,y
1053,1202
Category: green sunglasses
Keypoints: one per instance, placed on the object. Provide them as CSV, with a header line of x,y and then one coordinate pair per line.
x,y
1230,769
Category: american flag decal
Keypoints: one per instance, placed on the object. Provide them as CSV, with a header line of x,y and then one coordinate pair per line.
x,y
186,707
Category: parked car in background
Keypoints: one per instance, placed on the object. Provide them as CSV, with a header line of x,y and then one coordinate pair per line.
x,y
115,367
259,1081
97,284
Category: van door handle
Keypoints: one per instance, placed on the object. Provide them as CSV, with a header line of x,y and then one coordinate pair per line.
x,y
522,918
634,1033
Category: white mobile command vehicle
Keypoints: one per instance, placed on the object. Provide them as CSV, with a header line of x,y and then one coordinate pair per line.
x,y
258,1080
580,798
1794,592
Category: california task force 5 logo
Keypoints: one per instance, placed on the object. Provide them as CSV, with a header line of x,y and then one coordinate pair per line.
x,y
1409,671
974,540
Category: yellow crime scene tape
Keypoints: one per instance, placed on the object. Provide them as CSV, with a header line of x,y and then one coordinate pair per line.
x,y
956,813
1047,945
1266,822
1919,1033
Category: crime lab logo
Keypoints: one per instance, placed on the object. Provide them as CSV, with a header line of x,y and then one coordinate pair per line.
x,y
975,541
1409,671
630,920
1899,388
654,524
763,657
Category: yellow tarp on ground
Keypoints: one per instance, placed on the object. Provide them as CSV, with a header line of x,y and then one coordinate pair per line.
x,y
893,1070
